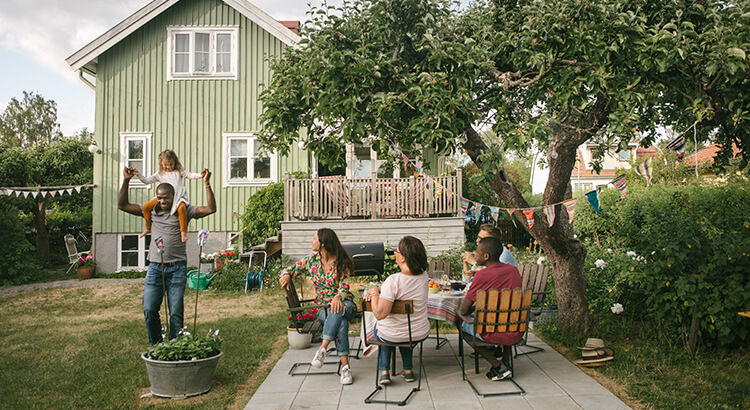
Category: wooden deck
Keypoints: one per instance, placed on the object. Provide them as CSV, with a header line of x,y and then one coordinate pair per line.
x,y
373,198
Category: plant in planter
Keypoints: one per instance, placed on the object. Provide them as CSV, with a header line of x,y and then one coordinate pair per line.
x,y
207,262
184,366
223,256
85,266
298,329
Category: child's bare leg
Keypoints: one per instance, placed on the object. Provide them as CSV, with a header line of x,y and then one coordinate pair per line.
x,y
148,207
182,216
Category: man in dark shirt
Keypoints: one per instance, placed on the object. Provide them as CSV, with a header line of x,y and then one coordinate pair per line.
x,y
166,226
499,276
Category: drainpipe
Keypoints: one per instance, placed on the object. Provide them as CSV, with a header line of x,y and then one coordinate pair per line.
x,y
85,81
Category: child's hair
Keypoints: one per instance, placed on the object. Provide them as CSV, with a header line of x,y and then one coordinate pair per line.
x,y
169,155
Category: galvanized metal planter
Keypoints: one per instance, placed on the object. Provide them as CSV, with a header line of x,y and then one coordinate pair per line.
x,y
182,378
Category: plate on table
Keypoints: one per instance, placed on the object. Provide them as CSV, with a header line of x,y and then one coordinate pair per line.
x,y
451,293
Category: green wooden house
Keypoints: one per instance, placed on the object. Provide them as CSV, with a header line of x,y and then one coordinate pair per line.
x,y
185,75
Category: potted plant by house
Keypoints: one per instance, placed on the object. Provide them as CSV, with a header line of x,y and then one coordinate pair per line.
x,y
222,257
298,329
85,267
207,262
184,366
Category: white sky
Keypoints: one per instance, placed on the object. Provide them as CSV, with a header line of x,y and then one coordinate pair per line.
x,y
36,36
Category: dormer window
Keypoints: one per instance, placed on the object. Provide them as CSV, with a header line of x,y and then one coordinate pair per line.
x,y
202,53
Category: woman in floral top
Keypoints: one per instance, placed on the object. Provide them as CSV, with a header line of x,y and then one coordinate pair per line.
x,y
329,265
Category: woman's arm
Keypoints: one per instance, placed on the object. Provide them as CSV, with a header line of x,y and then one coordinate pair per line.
x,y
290,272
380,307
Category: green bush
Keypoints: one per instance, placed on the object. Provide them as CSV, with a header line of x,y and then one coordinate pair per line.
x,y
19,262
693,243
263,214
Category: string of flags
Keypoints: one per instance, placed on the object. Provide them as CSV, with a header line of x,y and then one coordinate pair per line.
x,y
43,191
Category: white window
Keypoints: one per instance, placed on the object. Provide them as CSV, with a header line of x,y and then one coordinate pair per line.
x,y
135,151
624,155
202,53
132,252
244,163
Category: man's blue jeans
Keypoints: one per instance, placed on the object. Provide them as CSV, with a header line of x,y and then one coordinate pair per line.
x,y
384,353
336,326
175,278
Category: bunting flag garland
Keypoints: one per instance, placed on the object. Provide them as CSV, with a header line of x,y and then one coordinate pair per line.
x,y
570,206
549,211
477,210
593,197
529,216
494,212
644,170
464,203
69,191
51,191
406,161
510,212
621,183
678,145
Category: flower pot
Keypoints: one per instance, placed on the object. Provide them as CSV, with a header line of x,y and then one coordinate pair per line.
x,y
219,263
84,272
207,267
183,378
298,341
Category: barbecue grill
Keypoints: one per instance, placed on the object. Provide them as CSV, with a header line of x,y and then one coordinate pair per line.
x,y
368,258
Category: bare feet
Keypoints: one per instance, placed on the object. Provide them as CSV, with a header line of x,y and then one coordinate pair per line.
x,y
183,236
145,232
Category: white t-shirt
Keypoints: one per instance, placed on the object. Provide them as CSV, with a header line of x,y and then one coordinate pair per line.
x,y
394,327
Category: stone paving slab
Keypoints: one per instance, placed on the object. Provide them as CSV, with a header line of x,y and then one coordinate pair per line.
x,y
550,381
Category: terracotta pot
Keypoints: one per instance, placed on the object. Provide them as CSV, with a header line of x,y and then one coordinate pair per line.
x,y
219,263
84,272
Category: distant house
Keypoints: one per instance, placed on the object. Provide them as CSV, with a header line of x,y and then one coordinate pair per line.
x,y
186,75
584,177
704,158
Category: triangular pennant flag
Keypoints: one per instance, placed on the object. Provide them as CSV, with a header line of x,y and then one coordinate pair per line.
x,y
494,212
593,197
438,189
69,191
621,184
464,203
529,216
26,194
406,161
570,206
549,211
34,194
477,210
644,170
78,189
678,145
510,212
60,192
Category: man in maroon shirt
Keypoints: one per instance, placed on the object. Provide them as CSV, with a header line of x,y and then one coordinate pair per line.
x,y
499,276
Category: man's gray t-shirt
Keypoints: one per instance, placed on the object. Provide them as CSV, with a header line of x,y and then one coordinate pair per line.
x,y
167,226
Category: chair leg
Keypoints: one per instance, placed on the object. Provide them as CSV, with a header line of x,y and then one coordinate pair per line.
x,y
533,349
439,341
369,399
519,390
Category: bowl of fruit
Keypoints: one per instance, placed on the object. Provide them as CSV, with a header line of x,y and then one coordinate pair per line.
x,y
434,287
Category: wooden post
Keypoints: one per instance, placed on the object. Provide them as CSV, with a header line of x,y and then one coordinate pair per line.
x,y
286,197
459,192
375,206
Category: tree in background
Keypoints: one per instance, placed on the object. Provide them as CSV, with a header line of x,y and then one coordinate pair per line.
x,y
544,75
36,155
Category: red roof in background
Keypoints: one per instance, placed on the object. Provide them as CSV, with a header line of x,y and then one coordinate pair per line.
x,y
705,154
291,25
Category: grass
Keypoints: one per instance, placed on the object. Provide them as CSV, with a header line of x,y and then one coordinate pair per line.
x,y
650,373
80,347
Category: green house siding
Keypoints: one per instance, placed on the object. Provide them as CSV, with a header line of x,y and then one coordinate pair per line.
x,y
188,116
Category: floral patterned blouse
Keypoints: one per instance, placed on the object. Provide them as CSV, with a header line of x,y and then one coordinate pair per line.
x,y
326,287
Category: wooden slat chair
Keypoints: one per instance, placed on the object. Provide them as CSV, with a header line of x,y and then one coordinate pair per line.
x,y
296,305
436,270
399,307
496,312
534,277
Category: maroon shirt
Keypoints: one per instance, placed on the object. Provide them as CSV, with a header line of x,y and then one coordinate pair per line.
x,y
497,276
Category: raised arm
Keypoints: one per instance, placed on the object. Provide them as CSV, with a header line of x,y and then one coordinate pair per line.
x,y
193,175
210,206
123,203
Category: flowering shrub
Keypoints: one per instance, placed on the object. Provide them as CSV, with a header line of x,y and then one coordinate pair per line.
x,y
226,254
301,318
85,261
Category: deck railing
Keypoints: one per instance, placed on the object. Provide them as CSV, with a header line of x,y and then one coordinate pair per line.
x,y
340,198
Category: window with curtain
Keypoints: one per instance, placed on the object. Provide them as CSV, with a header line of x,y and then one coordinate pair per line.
x,y
202,53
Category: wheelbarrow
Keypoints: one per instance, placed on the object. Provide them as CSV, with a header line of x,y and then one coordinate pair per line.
x,y
193,279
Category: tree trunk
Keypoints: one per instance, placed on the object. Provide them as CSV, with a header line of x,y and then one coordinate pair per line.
x,y
42,235
570,287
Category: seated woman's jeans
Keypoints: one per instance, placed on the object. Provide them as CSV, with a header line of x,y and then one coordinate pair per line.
x,y
336,326
384,353
175,278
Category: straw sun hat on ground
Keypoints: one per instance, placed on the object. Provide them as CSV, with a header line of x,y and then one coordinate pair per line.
x,y
595,353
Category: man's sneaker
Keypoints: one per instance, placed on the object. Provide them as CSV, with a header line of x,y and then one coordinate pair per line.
x,y
499,373
319,358
346,375
384,378
408,376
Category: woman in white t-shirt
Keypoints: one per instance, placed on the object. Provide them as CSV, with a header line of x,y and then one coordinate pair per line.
x,y
410,284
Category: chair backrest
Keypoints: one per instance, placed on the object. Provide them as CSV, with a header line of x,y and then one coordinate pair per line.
x,y
502,311
72,247
437,269
534,277
399,306
292,298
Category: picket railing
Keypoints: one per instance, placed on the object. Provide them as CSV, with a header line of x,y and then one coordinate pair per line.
x,y
340,198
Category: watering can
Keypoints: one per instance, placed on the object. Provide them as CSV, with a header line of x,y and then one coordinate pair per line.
x,y
193,279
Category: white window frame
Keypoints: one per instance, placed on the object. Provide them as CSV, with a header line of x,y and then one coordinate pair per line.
x,y
249,181
125,137
211,74
143,261
619,155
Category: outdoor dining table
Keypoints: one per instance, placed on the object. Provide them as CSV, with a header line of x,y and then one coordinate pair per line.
x,y
443,306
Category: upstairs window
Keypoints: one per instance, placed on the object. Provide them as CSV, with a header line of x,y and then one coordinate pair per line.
x,y
244,163
202,53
